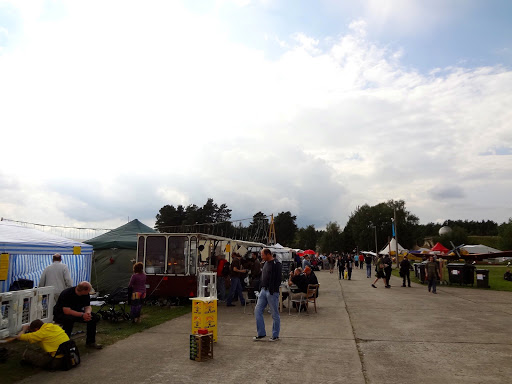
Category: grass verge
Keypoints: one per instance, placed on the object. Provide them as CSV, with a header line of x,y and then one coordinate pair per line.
x,y
107,333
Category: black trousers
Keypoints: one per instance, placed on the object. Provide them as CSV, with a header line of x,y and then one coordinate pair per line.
x,y
68,321
387,271
340,273
408,276
349,271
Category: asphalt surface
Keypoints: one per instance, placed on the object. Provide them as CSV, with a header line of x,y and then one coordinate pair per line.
x,y
359,335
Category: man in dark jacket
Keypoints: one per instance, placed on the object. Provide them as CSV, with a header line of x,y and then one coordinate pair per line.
x,y
341,267
388,267
405,271
269,294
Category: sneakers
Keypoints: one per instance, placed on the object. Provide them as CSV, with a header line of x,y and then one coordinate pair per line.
x,y
373,285
258,338
273,339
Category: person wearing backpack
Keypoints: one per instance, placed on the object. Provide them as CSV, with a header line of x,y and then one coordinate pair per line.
x,y
50,337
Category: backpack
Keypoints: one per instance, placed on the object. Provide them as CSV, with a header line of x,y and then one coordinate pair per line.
x,y
71,358
226,268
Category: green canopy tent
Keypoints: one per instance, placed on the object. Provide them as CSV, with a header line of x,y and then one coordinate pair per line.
x,y
114,255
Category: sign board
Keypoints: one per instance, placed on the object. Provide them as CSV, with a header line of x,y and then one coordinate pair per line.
x,y
4,266
286,265
77,250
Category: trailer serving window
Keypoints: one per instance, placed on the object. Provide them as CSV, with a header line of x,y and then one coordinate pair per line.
x,y
177,249
140,251
192,258
155,254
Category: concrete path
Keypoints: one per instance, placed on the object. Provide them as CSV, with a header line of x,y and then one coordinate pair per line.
x,y
359,335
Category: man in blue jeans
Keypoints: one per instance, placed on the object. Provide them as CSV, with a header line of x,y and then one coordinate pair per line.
x,y
368,261
269,294
236,286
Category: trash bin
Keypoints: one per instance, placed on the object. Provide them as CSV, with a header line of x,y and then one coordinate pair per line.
x,y
455,273
419,271
461,273
468,274
482,278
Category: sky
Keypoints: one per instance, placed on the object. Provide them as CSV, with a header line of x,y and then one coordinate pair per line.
x,y
110,110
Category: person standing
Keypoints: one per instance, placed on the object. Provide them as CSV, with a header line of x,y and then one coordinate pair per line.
x,y
305,262
236,286
405,271
341,267
379,271
138,291
388,267
74,305
255,272
221,277
269,295
432,274
368,260
349,265
331,263
361,261
56,275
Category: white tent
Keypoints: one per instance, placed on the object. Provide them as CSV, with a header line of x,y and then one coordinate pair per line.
x,y
391,246
26,252
480,249
282,253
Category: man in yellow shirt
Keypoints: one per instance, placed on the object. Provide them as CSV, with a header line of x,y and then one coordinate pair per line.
x,y
49,336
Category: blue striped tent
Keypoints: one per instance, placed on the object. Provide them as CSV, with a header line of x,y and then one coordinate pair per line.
x,y
31,251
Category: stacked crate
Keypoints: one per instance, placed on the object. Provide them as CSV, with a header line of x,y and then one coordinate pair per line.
x,y
201,347
204,315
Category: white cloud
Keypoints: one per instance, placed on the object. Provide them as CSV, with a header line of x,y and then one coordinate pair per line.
x,y
128,109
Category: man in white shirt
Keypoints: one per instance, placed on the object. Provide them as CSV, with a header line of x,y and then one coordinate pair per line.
x,y
56,275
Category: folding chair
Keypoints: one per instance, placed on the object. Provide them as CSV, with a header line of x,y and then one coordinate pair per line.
x,y
312,294
251,298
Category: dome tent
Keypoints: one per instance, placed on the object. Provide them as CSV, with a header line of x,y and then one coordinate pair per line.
x,y
114,256
30,251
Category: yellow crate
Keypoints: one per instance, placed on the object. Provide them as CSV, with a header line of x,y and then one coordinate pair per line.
x,y
204,315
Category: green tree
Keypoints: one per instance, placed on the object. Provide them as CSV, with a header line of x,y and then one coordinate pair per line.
x,y
210,213
285,227
306,238
331,239
169,217
360,232
505,233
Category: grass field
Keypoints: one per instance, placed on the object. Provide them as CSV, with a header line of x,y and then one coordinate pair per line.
x,y
496,281
107,333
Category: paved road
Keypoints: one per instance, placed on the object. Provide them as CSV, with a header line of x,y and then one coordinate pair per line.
x,y
359,335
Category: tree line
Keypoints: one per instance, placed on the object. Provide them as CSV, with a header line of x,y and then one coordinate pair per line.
x,y
365,225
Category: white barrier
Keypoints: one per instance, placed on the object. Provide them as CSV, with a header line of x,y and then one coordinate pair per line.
x,y
19,308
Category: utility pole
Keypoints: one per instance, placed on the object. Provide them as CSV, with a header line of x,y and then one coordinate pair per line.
x,y
272,232
396,236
